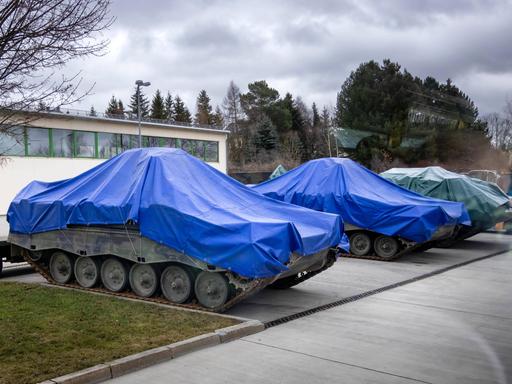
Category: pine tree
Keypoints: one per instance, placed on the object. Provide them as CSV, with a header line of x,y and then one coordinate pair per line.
x,y
144,103
204,109
316,115
92,111
120,107
266,135
218,118
181,112
158,106
112,108
169,107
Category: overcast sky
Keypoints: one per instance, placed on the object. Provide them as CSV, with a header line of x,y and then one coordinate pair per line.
x,y
305,47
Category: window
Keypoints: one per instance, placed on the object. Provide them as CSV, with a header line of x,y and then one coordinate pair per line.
x,y
38,142
200,149
187,145
107,145
66,143
125,142
62,141
152,142
168,142
212,151
12,141
85,143
134,141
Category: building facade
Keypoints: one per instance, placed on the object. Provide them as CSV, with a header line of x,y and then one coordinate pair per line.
x,y
55,145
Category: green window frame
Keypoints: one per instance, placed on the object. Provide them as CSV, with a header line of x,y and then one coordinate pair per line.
x,y
206,150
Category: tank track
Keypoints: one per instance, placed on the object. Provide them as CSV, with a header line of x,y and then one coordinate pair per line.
x,y
291,281
254,287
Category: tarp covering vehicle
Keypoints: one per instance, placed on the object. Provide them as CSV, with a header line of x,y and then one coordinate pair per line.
x,y
364,199
181,202
486,203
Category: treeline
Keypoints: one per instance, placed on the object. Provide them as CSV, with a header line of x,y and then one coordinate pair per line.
x,y
265,128
168,108
395,118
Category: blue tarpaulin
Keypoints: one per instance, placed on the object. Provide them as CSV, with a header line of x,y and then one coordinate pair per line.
x,y
363,199
181,202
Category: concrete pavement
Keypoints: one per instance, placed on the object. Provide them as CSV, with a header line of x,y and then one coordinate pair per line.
x,y
455,327
349,277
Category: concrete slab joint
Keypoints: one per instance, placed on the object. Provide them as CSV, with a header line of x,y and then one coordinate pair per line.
x,y
153,356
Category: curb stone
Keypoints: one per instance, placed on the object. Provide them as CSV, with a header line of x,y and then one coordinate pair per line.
x,y
240,330
137,361
195,343
96,374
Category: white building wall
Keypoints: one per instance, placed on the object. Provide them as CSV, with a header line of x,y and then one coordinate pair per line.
x,y
16,172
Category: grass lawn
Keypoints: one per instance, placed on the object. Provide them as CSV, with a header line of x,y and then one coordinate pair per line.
x,y
47,332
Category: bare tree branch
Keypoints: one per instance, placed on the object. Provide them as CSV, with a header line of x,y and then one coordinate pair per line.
x,y
37,38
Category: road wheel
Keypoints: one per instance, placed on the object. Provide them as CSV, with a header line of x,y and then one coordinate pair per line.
x,y
143,280
360,244
87,271
114,274
386,247
61,267
177,284
212,289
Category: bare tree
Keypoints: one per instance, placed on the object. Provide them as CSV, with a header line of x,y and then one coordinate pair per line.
x,y
232,108
233,116
499,127
37,38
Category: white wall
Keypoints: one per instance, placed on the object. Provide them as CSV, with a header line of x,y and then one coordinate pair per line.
x,y
17,172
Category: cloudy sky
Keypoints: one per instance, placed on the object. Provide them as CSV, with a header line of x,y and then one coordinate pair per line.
x,y
305,47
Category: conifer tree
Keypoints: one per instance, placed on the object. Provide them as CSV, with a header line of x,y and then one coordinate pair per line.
x,y
169,107
266,135
144,103
181,112
120,107
158,106
92,111
218,117
204,109
316,115
112,106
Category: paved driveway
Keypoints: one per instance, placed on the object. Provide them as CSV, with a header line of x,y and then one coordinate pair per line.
x,y
454,327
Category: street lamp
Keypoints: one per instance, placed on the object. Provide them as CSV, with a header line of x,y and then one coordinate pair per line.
x,y
140,83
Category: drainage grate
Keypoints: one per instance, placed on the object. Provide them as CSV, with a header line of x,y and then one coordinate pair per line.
x,y
362,295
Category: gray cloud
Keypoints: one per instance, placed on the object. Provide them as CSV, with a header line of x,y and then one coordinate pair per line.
x,y
306,48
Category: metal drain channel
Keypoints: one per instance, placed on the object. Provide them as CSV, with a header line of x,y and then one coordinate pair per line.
x,y
362,295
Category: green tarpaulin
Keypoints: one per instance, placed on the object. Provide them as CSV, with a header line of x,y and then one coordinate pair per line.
x,y
486,203
280,170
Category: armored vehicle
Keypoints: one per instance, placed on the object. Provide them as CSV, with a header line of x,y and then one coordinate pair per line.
x,y
158,222
485,202
382,220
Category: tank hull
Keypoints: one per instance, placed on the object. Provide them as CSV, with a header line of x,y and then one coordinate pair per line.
x,y
129,246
